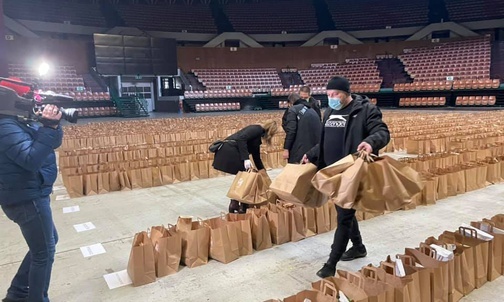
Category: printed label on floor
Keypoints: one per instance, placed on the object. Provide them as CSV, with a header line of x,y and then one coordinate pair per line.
x,y
62,197
93,250
84,227
117,279
71,209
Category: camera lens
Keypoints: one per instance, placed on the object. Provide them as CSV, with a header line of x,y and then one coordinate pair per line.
x,y
70,114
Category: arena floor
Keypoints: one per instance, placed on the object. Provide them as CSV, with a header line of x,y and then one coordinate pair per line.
x,y
275,273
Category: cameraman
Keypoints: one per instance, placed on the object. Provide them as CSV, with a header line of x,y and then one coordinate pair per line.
x,y
28,173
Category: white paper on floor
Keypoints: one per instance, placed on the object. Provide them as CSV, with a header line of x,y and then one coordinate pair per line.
x,y
58,188
62,197
117,279
71,209
84,227
92,250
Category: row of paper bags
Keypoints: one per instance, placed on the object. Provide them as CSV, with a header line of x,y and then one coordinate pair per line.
x,y
223,238
149,173
442,269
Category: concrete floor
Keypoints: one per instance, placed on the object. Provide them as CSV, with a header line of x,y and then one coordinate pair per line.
x,y
275,273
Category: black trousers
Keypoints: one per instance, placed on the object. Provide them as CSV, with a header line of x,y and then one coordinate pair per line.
x,y
348,229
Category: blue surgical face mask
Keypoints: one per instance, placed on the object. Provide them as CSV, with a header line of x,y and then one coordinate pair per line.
x,y
335,103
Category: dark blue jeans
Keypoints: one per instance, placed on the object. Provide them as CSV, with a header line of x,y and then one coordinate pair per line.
x,y
34,218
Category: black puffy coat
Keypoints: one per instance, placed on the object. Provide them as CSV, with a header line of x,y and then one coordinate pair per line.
x,y
302,130
364,124
230,158
27,159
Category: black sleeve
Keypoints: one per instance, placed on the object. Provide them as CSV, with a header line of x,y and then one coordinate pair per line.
x,y
246,135
313,153
378,132
317,109
290,129
256,156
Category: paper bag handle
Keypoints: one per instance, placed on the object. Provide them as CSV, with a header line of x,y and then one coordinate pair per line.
x,y
427,250
328,288
370,272
472,232
355,279
406,259
387,265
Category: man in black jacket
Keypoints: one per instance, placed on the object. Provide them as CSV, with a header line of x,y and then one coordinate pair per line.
x,y
305,93
302,129
350,124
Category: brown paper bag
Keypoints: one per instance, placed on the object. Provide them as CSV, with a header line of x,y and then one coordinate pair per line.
x,y
103,183
166,175
115,184
244,224
245,186
75,185
141,264
157,179
341,180
388,185
422,277
224,240
465,276
323,218
310,222
293,183
261,234
167,250
91,184
495,249
439,271
135,178
279,224
147,178
195,243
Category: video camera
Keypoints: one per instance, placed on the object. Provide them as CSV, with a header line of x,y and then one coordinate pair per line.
x,y
24,100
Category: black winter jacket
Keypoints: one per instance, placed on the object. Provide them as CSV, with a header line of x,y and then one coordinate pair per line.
x,y
27,159
240,145
302,130
364,124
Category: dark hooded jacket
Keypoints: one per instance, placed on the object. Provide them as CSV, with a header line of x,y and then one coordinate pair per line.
x,y
364,124
302,130
27,159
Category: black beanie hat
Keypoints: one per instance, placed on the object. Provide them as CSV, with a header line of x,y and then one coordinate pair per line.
x,y
339,83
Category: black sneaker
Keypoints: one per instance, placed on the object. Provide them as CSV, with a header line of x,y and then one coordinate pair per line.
x,y
327,271
354,253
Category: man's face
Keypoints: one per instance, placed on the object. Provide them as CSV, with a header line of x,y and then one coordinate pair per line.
x,y
343,96
304,95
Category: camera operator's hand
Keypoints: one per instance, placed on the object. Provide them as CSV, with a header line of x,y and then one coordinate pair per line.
x,y
51,116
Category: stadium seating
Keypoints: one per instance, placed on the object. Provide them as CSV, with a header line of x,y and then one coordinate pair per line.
x,y
249,79
363,74
195,18
472,10
207,107
62,79
273,16
88,14
97,111
476,84
422,101
467,59
424,86
372,14
475,100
